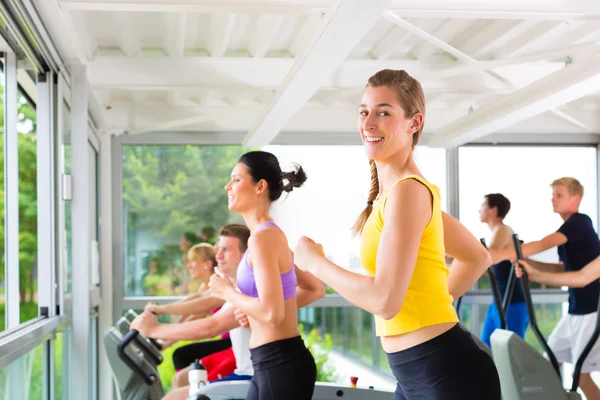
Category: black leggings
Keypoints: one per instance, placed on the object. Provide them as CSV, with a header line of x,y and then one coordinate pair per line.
x,y
449,367
284,369
186,355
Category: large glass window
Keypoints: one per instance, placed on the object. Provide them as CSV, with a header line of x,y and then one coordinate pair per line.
x,y
62,362
94,245
68,230
28,262
173,197
2,232
432,164
24,377
336,192
524,174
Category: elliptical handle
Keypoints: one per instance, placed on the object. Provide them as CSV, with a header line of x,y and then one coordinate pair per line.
x,y
496,292
529,302
130,337
586,351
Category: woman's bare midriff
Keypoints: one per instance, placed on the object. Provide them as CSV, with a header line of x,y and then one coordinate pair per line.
x,y
263,334
392,344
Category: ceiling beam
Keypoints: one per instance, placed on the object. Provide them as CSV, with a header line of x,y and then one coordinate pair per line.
x,y
446,33
176,24
144,118
573,82
265,31
345,25
554,58
221,26
468,9
304,36
391,42
533,39
269,73
126,35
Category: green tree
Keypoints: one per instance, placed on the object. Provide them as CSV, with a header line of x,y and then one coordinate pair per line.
x,y
27,200
169,190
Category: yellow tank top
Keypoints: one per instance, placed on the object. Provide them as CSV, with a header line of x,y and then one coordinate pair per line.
x,y
427,300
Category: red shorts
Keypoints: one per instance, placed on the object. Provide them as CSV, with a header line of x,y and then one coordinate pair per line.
x,y
220,364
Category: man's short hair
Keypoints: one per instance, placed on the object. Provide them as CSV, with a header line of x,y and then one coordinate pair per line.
x,y
237,231
573,185
499,201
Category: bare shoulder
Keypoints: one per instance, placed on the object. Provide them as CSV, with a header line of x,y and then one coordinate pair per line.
x,y
409,191
267,240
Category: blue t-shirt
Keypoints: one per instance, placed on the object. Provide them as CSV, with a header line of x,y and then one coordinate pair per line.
x,y
502,272
582,247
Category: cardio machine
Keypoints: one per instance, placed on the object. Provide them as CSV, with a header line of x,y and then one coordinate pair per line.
x,y
524,373
133,367
134,358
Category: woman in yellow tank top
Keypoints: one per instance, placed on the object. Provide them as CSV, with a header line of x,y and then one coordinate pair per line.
x,y
405,236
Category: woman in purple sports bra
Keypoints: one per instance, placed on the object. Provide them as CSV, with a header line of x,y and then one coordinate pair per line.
x,y
266,278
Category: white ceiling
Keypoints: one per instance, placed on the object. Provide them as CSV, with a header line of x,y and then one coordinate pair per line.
x,y
265,66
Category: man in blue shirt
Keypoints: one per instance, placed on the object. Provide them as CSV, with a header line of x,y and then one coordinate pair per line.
x,y
578,245
493,210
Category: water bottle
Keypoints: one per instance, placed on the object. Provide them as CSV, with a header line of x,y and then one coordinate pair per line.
x,y
197,377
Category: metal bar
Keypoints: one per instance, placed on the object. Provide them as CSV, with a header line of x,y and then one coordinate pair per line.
x,y
61,256
598,186
452,182
81,234
21,40
510,288
585,352
531,310
95,296
46,194
23,341
118,255
20,327
105,319
482,296
46,44
11,191
496,292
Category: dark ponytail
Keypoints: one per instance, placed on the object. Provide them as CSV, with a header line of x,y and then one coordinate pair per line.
x,y
264,165
295,179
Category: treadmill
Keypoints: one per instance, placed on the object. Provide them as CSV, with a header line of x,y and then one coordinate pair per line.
x,y
524,373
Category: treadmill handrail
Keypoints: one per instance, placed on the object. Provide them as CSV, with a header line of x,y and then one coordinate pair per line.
x,y
496,292
586,351
129,337
530,309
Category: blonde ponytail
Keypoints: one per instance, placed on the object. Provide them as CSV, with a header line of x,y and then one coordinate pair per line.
x,y
373,192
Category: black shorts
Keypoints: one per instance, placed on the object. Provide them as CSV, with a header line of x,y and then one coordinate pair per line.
x,y
186,355
283,370
448,367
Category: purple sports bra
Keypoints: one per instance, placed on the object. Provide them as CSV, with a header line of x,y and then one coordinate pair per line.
x,y
245,275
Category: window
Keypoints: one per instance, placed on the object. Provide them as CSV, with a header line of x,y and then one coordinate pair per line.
x,y
24,377
28,262
432,164
335,193
523,174
62,363
2,209
338,181
68,226
173,197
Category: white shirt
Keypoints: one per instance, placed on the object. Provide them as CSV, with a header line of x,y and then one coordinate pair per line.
x,y
240,344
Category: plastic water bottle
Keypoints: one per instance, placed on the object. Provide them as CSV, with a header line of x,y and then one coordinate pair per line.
x,y
197,377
